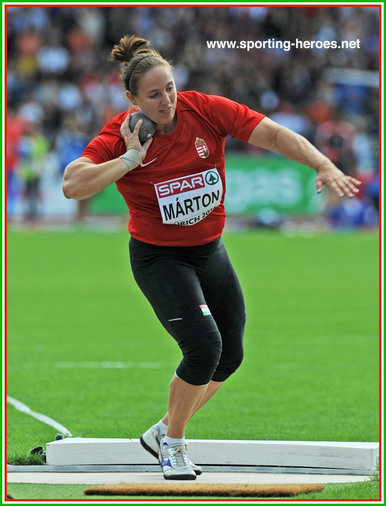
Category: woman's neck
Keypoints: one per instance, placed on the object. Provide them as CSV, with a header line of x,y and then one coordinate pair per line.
x,y
169,128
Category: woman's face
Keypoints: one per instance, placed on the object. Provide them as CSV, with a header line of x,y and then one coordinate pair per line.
x,y
157,95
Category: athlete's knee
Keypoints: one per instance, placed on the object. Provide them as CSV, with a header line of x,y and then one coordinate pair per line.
x,y
201,359
227,366
236,361
232,353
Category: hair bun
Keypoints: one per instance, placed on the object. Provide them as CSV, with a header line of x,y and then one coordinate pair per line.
x,y
129,47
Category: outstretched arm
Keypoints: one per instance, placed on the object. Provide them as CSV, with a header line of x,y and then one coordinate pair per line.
x,y
270,135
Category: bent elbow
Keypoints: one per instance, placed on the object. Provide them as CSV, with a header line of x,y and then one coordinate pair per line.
x,y
76,181
74,191
66,188
69,190
71,182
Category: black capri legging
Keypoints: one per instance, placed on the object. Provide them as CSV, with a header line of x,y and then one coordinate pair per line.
x,y
197,297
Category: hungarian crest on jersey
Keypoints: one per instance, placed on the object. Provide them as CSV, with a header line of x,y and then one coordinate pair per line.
x,y
201,148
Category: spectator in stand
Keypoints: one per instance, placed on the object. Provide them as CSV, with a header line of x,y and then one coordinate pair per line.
x,y
70,144
336,140
33,150
53,58
15,127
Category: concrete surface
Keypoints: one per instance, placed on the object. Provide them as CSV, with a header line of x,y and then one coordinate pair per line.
x,y
156,477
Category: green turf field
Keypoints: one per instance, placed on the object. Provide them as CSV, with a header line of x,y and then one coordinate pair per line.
x,y
84,348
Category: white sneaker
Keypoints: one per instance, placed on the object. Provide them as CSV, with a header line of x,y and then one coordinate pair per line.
x,y
150,440
175,463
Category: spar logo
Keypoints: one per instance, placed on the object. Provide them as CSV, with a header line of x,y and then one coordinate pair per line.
x,y
212,177
180,185
201,148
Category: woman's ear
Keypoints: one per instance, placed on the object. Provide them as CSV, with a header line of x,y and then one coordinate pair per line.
x,y
130,96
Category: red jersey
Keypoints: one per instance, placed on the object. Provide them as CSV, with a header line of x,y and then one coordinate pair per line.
x,y
176,196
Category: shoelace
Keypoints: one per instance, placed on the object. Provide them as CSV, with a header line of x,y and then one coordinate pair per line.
x,y
178,457
160,438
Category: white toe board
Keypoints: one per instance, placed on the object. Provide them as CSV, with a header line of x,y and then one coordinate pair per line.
x,y
313,454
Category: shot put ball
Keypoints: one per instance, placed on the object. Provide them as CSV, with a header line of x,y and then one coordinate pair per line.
x,y
147,128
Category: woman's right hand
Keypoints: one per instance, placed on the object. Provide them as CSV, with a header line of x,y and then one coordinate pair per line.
x,y
131,137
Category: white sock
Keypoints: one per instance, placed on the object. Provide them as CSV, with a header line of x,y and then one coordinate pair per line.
x,y
172,441
162,427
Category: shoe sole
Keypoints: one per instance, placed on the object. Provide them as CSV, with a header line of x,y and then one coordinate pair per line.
x,y
148,448
181,477
152,452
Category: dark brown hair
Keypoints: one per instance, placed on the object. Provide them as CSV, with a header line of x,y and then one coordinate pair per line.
x,y
137,57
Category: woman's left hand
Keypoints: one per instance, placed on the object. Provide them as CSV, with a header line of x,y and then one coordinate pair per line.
x,y
337,181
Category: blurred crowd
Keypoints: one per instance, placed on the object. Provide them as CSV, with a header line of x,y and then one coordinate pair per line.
x,y
62,87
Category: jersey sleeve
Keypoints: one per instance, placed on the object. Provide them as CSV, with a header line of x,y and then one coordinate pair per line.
x,y
231,118
108,144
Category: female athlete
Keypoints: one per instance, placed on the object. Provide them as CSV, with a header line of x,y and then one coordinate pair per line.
x,y
174,186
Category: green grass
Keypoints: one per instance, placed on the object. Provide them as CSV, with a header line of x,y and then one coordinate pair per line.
x,y
311,363
354,491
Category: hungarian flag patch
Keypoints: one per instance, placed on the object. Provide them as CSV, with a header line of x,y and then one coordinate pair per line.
x,y
201,148
205,310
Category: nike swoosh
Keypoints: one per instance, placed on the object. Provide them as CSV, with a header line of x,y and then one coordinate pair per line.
x,y
166,463
148,163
